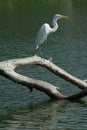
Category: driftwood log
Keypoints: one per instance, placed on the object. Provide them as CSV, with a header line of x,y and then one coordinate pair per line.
x,y
7,69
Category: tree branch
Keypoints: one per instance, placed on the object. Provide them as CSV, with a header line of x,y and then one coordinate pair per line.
x,y
7,69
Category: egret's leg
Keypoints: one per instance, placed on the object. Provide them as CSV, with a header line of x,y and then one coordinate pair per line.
x,y
40,51
46,52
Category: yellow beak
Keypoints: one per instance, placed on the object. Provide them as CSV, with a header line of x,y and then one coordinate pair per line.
x,y
64,17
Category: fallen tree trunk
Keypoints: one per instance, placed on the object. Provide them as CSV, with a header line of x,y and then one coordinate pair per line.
x,y
7,69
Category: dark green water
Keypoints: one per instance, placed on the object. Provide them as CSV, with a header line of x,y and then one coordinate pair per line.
x,y
19,23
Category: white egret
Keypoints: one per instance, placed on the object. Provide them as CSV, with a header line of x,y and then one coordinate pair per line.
x,y
45,30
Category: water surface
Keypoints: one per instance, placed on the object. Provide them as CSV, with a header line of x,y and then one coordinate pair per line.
x,y
19,22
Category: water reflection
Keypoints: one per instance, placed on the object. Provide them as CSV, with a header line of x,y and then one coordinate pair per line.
x,y
46,115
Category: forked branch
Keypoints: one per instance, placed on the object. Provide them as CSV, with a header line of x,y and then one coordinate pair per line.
x,y
7,69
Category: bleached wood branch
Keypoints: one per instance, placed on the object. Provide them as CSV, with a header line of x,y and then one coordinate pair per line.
x,y
7,68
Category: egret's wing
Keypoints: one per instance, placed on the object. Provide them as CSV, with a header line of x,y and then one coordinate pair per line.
x,y
42,35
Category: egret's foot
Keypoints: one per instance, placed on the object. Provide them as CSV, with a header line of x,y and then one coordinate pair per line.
x,y
42,60
50,59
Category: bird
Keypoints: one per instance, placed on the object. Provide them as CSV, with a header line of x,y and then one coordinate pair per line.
x,y
45,30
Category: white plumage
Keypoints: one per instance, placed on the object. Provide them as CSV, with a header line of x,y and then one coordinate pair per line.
x,y
45,30
42,34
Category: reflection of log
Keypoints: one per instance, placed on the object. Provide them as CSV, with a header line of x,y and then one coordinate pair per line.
x,y
7,68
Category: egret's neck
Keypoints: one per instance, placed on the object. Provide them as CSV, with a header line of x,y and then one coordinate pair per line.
x,y
55,25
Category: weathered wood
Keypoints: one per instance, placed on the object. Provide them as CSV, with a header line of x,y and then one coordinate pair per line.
x,y
7,68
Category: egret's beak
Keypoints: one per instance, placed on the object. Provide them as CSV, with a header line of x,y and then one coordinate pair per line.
x,y
64,17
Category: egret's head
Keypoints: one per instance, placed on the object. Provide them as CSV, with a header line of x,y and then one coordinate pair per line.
x,y
58,16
